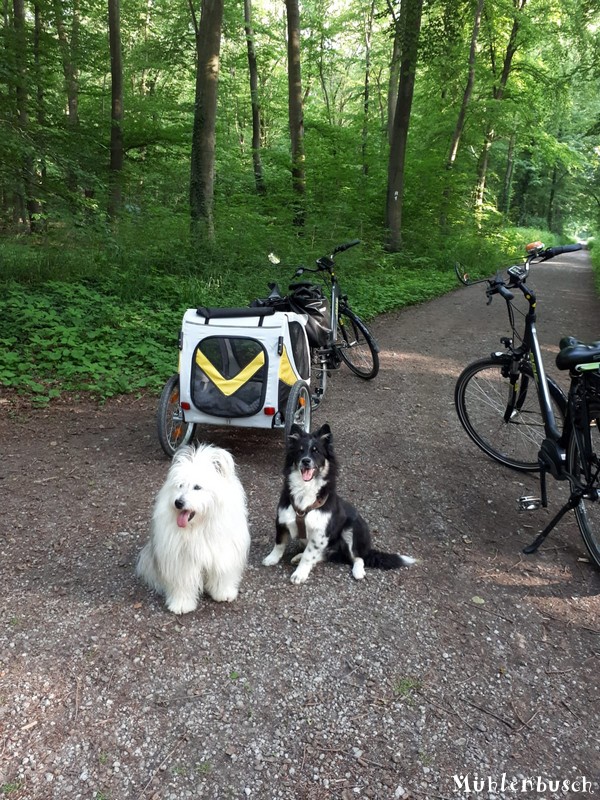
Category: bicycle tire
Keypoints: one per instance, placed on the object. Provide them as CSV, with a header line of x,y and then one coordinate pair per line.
x,y
480,397
173,430
298,408
587,512
356,345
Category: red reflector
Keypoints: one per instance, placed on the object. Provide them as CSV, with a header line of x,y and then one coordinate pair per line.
x,y
269,411
185,406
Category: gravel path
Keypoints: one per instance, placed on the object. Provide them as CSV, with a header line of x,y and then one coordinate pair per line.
x,y
477,662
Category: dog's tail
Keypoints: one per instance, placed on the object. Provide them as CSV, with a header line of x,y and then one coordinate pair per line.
x,y
378,560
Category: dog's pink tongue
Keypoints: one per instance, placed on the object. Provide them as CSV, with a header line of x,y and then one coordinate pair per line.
x,y
182,519
307,474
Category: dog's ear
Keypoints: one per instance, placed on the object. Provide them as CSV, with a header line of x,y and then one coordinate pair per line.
x,y
295,432
325,435
184,453
223,462
324,432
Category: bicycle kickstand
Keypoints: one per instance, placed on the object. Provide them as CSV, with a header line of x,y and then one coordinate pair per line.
x,y
571,503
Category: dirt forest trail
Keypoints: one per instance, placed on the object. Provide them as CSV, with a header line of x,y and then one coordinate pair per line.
x,y
477,661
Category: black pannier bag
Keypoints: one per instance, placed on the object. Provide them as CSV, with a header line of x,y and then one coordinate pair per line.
x,y
308,298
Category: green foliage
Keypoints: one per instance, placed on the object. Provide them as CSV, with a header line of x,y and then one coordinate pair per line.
x,y
595,256
71,337
111,325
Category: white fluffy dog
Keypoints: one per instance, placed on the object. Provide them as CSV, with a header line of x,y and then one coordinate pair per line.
x,y
199,537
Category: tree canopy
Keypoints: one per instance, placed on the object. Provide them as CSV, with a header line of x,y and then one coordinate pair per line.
x,y
501,122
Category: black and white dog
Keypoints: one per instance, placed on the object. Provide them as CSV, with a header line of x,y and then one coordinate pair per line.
x,y
310,509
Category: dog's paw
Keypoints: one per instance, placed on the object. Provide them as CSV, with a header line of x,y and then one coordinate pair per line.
x,y
300,575
225,595
296,559
181,605
272,559
358,569
407,561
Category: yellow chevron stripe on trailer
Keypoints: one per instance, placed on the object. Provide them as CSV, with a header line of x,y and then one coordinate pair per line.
x,y
229,385
286,371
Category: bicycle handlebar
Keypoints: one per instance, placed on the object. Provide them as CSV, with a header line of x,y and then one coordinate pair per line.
x,y
325,263
517,273
506,293
341,247
550,252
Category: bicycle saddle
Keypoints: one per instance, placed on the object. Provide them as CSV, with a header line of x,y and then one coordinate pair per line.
x,y
573,352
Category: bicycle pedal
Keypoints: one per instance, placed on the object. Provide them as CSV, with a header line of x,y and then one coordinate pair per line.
x,y
529,503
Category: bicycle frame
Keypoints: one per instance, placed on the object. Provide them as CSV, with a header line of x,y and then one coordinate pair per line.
x,y
326,357
531,348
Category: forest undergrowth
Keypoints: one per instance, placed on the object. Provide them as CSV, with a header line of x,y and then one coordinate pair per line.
x,y
100,312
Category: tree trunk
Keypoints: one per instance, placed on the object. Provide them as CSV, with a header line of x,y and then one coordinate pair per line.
x,y
550,221
69,57
115,176
202,172
295,110
26,203
39,219
498,94
462,114
365,128
504,204
460,122
522,187
410,23
256,116
394,76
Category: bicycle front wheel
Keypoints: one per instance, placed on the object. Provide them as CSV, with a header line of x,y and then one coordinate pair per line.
x,y
173,430
481,398
356,345
587,512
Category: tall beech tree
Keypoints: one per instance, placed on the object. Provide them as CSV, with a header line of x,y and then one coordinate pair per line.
x,y
410,26
27,205
202,173
254,99
497,94
295,110
69,53
462,112
116,112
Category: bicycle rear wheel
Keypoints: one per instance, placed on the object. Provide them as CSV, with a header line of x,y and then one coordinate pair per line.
x,y
587,512
173,430
356,345
481,396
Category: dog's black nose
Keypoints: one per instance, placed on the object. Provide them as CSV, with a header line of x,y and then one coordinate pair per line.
x,y
179,503
306,461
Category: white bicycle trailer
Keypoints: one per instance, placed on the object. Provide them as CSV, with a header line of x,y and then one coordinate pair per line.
x,y
243,367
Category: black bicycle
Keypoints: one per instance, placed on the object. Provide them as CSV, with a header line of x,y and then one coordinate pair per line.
x,y
521,418
336,334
